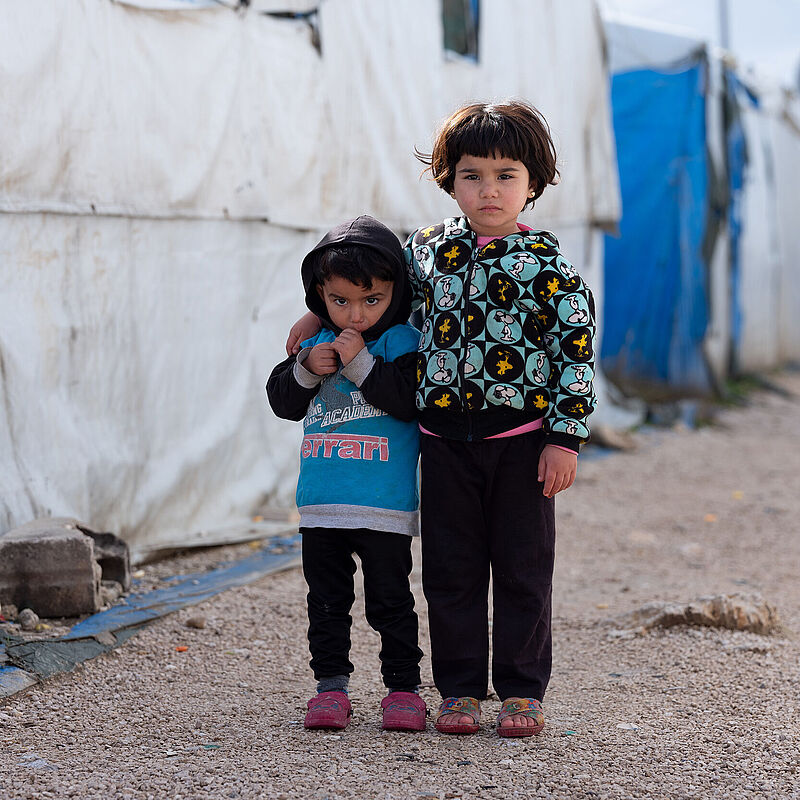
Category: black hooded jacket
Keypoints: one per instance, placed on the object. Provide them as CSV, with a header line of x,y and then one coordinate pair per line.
x,y
389,386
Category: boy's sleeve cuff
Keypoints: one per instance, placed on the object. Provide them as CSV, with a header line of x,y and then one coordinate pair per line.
x,y
358,369
307,379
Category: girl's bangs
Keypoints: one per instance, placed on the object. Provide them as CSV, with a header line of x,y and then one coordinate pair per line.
x,y
487,139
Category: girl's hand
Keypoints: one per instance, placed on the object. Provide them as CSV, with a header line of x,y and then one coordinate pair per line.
x,y
557,469
322,360
303,329
348,344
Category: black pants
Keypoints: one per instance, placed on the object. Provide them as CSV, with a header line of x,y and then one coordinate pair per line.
x,y
329,566
483,510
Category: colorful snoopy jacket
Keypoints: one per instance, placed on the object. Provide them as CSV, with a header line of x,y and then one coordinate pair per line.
x,y
507,337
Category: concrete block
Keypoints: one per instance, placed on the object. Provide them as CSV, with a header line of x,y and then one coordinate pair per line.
x,y
49,566
113,556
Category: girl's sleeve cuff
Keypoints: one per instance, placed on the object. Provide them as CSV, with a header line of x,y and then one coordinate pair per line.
x,y
565,441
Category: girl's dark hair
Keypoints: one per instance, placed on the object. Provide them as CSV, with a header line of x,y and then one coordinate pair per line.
x,y
512,130
356,263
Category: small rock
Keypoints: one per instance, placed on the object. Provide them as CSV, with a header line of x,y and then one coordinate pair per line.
x,y
36,762
731,611
196,622
627,726
27,619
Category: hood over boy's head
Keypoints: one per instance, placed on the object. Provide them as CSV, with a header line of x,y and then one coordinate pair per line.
x,y
359,251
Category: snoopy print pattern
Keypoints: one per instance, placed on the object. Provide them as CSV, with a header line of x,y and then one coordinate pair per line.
x,y
509,324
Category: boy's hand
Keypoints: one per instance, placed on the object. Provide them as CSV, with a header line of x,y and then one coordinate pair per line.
x,y
557,470
323,359
348,345
303,329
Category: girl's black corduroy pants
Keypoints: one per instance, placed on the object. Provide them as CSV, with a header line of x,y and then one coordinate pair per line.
x,y
483,513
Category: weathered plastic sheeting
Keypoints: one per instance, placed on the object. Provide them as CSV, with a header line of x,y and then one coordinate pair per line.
x,y
683,251
145,298
752,276
252,122
285,6
174,5
188,590
767,292
13,679
266,6
757,346
785,139
39,659
656,292
633,46
133,355
716,252
25,662
110,109
407,88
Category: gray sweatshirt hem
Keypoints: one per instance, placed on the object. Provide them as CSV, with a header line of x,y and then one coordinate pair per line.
x,y
346,516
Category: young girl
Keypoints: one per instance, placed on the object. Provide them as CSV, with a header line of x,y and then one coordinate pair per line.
x,y
504,376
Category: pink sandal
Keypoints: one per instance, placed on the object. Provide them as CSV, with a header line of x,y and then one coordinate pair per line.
x,y
403,711
328,710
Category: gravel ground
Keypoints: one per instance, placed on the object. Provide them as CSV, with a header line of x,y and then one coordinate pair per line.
x,y
683,713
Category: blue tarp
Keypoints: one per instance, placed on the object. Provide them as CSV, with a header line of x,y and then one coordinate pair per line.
x,y
23,663
656,308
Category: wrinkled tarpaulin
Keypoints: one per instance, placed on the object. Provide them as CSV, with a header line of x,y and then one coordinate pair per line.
x,y
704,280
657,284
162,174
24,662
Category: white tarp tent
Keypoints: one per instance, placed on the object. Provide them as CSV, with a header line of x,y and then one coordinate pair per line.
x,y
161,175
784,113
760,272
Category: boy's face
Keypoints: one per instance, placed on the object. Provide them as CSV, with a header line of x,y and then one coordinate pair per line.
x,y
491,192
352,306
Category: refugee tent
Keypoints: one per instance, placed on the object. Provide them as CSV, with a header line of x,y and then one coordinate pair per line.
x,y
661,318
756,271
163,171
781,113
701,280
763,159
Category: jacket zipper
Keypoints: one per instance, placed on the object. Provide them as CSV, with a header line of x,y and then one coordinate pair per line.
x,y
463,364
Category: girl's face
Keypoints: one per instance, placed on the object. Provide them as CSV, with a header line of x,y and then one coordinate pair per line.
x,y
491,192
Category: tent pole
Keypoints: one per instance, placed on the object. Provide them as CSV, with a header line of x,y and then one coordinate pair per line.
x,y
724,25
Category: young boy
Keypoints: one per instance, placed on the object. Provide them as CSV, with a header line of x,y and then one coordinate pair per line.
x,y
353,385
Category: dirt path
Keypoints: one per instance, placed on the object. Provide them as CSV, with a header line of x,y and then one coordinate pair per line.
x,y
706,713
